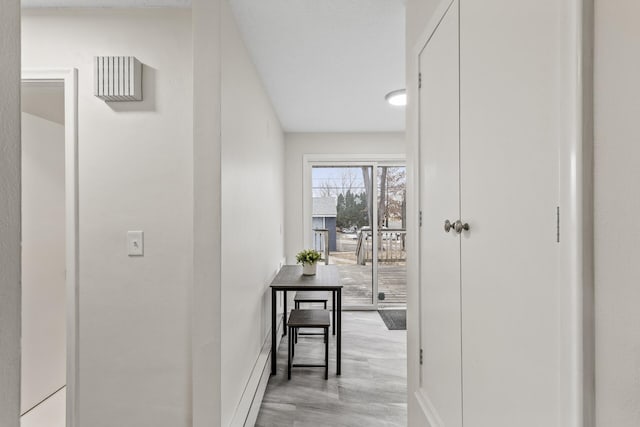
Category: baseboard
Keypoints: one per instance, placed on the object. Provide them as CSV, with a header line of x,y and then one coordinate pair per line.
x,y
249,405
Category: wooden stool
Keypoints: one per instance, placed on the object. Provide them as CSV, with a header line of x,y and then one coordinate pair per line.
x,y
318,319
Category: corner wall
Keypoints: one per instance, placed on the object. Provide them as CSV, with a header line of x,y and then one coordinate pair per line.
x,y
299,144
10,213
252,221
617,207
135,173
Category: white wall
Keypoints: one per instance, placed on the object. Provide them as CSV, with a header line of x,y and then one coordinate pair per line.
x,y
43,243
10,213
299,144
252,216
418,14
206,293
135,173
51,413
617,207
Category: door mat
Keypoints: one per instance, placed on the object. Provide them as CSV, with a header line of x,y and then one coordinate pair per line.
x,y
396,320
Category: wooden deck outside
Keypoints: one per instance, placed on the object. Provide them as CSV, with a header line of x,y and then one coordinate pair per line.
x,y
357,278
392,280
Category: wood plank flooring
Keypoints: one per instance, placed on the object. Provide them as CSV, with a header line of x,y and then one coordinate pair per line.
x,y
392,280
372,390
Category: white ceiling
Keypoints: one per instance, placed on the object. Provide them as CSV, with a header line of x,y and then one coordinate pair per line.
x,y
326,64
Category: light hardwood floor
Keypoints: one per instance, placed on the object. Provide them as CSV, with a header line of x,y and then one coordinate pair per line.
x,y
372,390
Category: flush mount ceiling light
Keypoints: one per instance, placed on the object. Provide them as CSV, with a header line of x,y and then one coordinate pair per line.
x,y
397,97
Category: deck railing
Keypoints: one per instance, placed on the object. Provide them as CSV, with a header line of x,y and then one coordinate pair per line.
x,y
321,242
391,246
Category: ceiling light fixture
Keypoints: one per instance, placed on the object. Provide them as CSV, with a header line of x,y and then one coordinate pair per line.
x,y
397,97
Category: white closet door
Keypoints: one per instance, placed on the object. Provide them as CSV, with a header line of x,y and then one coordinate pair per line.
x,y
510,133
440,390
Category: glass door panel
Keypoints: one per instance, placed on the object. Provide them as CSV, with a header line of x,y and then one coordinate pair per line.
x,y
342,227
391,226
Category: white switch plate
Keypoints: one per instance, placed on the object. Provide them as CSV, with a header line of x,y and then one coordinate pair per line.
x,y
135,243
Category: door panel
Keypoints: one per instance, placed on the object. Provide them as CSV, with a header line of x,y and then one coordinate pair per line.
x,y
440,251
391,236
342,220
509,192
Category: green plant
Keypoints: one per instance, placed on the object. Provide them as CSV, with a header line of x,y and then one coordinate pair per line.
x,y
308,256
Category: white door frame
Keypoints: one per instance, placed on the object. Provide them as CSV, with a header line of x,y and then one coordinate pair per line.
x,y
575,263
69,77
343,160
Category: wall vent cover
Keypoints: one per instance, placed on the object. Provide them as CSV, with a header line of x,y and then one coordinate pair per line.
x,y
118,78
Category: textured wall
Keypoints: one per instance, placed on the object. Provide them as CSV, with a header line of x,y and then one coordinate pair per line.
x,y
10,213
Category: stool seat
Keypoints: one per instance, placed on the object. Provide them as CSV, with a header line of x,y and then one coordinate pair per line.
x,y
309,319
320,319
312,296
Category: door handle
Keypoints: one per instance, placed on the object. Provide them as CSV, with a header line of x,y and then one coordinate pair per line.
x,y
448,226
459,226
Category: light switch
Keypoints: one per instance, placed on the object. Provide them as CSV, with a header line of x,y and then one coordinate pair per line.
x,y
135,243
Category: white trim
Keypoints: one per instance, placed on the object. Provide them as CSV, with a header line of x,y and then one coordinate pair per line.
x,y
576,202
249,406
69,77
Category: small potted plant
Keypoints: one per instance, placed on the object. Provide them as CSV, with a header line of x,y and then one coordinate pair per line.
x,y
308,258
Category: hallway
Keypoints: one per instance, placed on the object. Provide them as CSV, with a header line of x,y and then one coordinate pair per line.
x,y
372,390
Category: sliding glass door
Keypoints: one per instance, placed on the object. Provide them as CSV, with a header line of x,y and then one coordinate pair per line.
x,y
358,223
391,236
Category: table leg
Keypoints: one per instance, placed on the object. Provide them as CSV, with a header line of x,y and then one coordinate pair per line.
x,y
284,315
339,337
274,351
333,295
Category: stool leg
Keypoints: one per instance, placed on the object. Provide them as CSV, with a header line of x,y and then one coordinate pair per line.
x,y
289,355
326,353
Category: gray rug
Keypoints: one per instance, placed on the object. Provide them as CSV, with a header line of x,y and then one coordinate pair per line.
x,y
396,320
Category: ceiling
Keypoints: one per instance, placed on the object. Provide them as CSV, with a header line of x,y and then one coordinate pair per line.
x,y
326,64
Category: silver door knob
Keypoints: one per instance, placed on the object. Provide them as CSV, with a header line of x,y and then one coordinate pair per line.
x,y
459,226
447,226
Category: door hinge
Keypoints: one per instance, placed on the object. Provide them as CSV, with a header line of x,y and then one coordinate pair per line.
x,y
419,80
558,224
421,356
420,218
